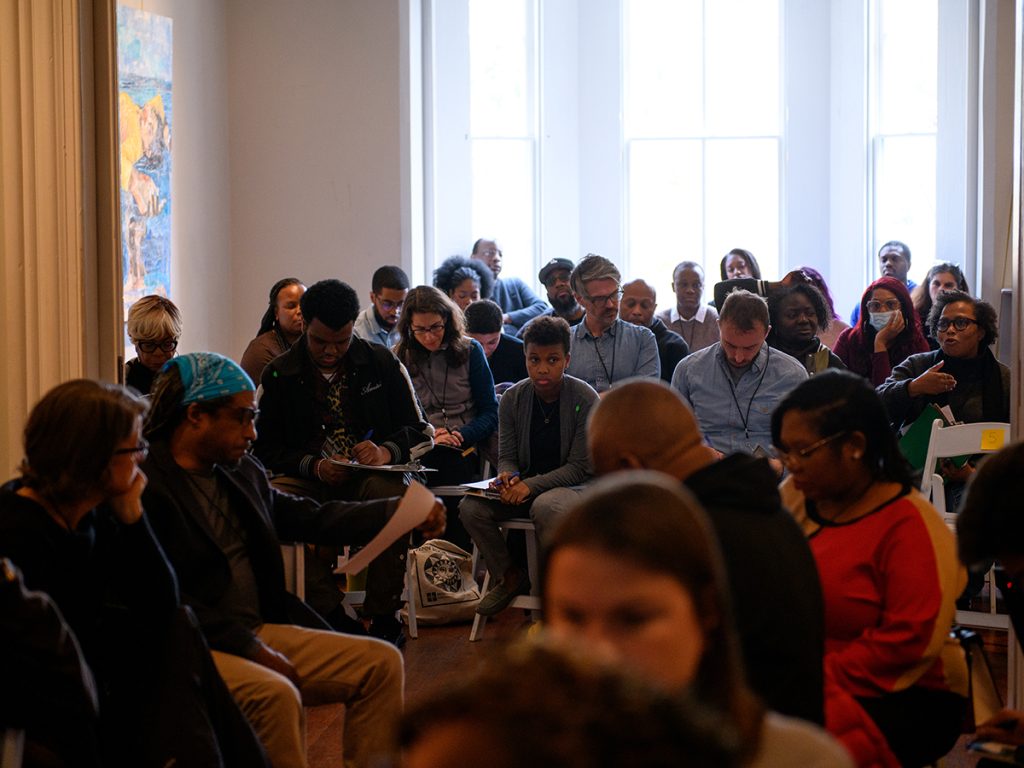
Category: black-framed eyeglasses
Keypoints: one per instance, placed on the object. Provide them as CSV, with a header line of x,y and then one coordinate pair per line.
x,y
149,347
787,457
431,330
960,322
243,415
142,449
602,301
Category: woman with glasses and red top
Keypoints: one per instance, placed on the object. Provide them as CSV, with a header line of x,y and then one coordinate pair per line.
x,y
154,325
887,332
889,574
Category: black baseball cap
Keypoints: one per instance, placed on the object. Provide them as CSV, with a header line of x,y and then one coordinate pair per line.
x,y
551,266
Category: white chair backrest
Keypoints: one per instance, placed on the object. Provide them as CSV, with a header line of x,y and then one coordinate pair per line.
x,y
961,440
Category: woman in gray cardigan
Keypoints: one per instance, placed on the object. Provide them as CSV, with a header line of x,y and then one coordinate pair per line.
x,y
542,457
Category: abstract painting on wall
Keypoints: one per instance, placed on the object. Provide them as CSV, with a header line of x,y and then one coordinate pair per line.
x,y
144,45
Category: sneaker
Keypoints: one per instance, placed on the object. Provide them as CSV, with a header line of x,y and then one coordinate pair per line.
x,y
501,594
389,629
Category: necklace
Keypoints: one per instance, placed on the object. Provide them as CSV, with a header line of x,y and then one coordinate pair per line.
x,y
215,504
441,401
545,413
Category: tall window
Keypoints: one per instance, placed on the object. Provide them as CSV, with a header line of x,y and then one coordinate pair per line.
x,y
702,131
903,122
502,127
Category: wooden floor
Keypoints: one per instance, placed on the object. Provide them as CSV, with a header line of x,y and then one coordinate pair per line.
x,y
441,653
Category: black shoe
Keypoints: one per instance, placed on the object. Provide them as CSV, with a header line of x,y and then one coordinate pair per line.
x,y
501,594
389,629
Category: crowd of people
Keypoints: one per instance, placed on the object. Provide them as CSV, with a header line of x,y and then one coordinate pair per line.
x,y
734,548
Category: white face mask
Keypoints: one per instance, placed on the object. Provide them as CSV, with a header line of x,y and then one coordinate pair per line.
x,y
880,319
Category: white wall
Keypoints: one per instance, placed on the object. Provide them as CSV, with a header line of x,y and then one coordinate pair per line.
x,y
314,99
201,185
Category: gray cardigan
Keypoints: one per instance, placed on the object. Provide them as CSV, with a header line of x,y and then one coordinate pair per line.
x,y
515,412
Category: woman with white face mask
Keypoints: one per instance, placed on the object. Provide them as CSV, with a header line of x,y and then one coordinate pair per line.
x,y
888,332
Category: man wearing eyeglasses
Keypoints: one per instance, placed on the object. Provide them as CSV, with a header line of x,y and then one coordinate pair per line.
x,y
334,398
378,322
605,348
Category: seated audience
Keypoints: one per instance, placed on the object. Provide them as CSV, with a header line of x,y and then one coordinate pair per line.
x,y
888,332
504,353
941,277
73,523
333,397
739,263
888,572
797,314
554,276
463,281
691,318
454,386
634,573
221,524
991,527
378,323
280,327
734,385
604,347
538,704
542,456
639,301
773,581
836,324
894,262
517,301
154,325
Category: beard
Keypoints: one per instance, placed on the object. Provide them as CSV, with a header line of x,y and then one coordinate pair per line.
x,y
564,306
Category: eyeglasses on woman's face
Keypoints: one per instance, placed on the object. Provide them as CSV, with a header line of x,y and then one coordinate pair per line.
x,y
141,450
430,330
788,456
960,322
149,347
884,306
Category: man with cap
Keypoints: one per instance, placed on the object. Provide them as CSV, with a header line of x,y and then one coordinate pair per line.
x,y
221,522
554,276
776,595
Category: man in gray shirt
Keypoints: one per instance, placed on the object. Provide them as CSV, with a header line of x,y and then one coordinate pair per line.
x,y
604,348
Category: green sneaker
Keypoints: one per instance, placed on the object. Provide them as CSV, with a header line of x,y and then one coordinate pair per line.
x,y
500,595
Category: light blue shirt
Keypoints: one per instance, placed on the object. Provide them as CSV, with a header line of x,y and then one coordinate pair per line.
x,y
623,351
368,329
736,416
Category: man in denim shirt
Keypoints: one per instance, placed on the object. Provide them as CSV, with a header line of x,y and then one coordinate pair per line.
x,y
734,385
605,348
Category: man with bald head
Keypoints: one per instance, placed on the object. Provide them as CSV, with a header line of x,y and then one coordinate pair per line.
x,y
776,594
637,307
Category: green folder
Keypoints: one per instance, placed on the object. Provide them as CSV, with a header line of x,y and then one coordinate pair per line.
x,y
914,443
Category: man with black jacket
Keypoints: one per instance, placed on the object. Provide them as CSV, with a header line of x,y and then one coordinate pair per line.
x,y
333,397
220,523
773,580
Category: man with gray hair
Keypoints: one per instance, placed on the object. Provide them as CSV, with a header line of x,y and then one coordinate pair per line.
x,y
734,385
604,348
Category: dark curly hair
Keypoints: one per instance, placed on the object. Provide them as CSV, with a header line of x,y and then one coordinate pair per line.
x,y
455,269
269,320
423,299
839,401
332,302
483,316
546,331
777,298
984,313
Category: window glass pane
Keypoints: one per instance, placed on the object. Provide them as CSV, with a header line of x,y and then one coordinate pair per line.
x,y
500,69
742,199
666,210
905,197
908,33
503,201
664,68
742,78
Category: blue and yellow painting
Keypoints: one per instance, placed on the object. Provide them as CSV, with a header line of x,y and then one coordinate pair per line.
x,y
144,45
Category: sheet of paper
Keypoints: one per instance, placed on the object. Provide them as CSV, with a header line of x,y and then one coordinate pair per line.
x,y
482,485
380,467
412,510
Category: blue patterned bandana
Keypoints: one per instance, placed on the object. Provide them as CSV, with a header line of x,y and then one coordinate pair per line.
x,y
209,376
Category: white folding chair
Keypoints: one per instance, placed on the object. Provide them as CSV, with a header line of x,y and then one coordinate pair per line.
x,y
963,440
294,554
530,602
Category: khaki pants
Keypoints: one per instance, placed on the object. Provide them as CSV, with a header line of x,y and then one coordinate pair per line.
x,y
364,674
